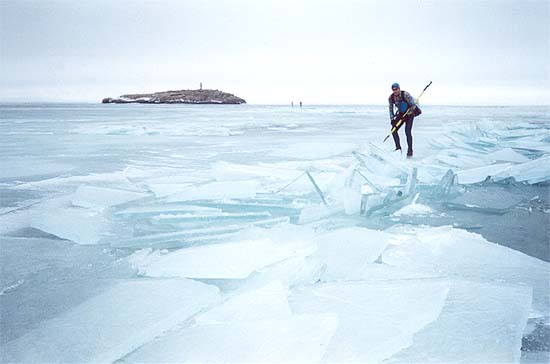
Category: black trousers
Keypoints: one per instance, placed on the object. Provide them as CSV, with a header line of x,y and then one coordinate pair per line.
x,y
408,132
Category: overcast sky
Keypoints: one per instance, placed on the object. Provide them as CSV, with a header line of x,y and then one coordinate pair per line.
x,y
341,51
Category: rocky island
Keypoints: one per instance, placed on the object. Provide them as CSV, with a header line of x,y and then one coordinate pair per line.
x,y
178,97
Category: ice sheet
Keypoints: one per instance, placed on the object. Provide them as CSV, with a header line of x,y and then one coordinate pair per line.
x,y
480,323
377,319
298,339
22,167
112,324
242,162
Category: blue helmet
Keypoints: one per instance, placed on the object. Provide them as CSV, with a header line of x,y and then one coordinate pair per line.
x,y
394,85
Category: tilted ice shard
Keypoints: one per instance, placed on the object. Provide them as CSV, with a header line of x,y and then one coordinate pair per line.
x,y
377,319
534,171
113,323
296,339
448,185
226,260
480,323
479,174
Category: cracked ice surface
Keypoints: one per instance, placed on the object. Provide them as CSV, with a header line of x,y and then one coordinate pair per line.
x,y
194,234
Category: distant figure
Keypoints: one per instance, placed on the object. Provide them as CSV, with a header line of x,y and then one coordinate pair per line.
x,y
292,104
201,86
402,100
300,103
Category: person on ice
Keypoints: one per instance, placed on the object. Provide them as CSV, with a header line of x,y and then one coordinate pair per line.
x,y
402,101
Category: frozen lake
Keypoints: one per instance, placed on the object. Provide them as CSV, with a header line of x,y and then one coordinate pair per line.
x,y
249,233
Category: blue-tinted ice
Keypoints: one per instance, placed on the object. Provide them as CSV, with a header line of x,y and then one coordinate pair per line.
x,y
184,233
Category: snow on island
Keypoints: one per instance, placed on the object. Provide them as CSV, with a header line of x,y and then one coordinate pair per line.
x,y
202,96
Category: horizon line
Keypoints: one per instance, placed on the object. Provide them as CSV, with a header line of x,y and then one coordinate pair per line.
x,y
2,102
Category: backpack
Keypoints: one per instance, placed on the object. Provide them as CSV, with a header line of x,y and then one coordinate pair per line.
x,y
416,111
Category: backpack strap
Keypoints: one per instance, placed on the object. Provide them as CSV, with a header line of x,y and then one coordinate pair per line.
x,y
403,98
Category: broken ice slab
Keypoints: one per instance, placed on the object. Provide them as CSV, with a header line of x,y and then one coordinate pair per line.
x,y
253,205
78,224
480,323
385,203
479,174
318,212
385,272
448,185
535,171
380,163
376,181
100,198
157,209
266,302
506,155
113,323
455,159
297,339
211,191
346,251
458,253
291,272
234,260
377,319
391,199
485,200
210,217
185,236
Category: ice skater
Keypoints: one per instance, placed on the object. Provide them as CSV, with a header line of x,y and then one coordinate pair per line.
x,y
402,101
